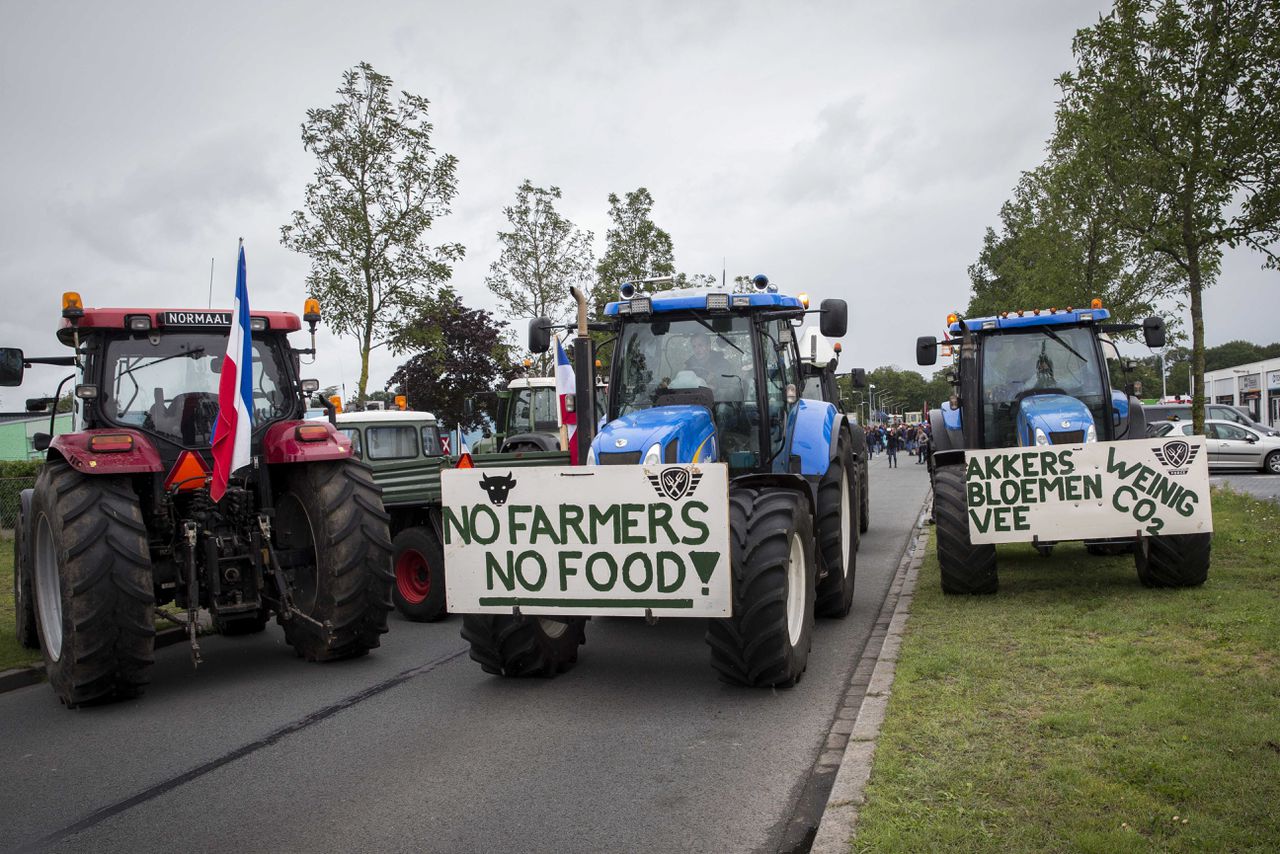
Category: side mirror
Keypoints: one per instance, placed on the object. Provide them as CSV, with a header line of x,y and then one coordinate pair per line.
x,y
1153,332
40,441
834,318
11,366
858,377
926,350
539,335
39,404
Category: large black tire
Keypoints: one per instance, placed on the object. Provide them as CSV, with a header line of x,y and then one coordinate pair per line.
x,y
837,535
91,569
1177,560
525,644
766,641
864,502
861,465
419,569
24,603
966,568
330,515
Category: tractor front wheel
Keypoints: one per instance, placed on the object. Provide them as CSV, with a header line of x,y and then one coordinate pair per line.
x,y
331,537
91,568
766,641
1176,560
523,644
419,567
966,568
837,535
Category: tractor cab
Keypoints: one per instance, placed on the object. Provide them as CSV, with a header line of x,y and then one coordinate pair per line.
x,y
702,375
1038,377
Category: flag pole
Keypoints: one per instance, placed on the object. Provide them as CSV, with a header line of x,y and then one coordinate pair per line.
x,y
210,303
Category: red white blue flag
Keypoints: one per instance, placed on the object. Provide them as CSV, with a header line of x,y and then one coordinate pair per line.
x,y
566,384
235,392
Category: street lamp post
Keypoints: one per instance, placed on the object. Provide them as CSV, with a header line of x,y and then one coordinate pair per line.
x,y
1164,373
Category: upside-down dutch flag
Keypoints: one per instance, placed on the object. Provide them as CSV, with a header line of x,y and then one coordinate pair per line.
x,y
235,392
566,384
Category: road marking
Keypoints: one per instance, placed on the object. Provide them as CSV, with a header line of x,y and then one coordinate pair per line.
x,y
102,814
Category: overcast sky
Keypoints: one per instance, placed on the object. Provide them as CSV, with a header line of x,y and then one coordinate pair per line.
x,y
850,149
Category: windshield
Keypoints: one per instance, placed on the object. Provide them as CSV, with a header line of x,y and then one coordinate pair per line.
x,y
688,361
168,385
1041,361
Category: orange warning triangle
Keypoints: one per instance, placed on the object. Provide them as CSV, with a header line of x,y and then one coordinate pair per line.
x,y
188,472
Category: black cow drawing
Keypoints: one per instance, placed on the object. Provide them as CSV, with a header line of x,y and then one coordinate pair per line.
x,y
497,487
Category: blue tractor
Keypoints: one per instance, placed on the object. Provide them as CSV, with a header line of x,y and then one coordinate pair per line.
x,y
709,376
1028,379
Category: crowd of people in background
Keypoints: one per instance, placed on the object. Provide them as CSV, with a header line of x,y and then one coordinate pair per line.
x,y
895,437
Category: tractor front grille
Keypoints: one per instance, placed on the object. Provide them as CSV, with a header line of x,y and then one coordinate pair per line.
x,y
1068,437
628,458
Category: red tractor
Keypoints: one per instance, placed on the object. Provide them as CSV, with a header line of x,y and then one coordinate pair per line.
x,y
121,521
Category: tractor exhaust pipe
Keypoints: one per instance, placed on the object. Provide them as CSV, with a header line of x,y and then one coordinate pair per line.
x,y
584,370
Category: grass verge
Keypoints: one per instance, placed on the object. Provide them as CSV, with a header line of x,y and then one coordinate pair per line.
x,y
11,653
1077,710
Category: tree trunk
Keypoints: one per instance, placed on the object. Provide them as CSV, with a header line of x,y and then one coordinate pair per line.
x,y
1194,284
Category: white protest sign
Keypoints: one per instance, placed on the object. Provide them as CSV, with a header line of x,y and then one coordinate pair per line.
x,y
1094,491
591,540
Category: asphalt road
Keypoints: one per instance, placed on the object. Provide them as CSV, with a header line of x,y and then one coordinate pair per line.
x,y
414,748
1256,484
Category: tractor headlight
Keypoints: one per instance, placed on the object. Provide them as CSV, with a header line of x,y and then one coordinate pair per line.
x,y
653,456
1041,438
1092,434
591,456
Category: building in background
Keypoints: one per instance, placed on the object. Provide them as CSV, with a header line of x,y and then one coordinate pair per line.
x,y
18,430
1255,386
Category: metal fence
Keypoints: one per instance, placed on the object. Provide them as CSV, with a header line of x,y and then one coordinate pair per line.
x,y
10,490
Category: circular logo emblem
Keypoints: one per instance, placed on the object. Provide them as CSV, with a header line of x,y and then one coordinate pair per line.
x,y
620,443
1066,423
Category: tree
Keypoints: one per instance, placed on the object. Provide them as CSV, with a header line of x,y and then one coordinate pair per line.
x,y
636,248
1059,246
379,187
542,256
459,352
1174,104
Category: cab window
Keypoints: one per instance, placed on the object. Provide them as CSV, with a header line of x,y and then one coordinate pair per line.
x,y
431,441
392,443
779,370
354,435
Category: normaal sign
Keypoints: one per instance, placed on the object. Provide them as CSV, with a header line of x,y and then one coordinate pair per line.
x,y
1100,490
589,540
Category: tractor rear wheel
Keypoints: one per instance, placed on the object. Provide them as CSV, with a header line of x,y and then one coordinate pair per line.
x,y
766,641
523,644
24,603
966,568
419,567
837,535
91,569
1176,560
331,534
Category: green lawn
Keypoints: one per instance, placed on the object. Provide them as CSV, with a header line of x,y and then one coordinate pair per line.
x,y
1076,710
11,655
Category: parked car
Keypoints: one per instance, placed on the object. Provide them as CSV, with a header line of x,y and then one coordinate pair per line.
x,y
1230,446
1161,412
